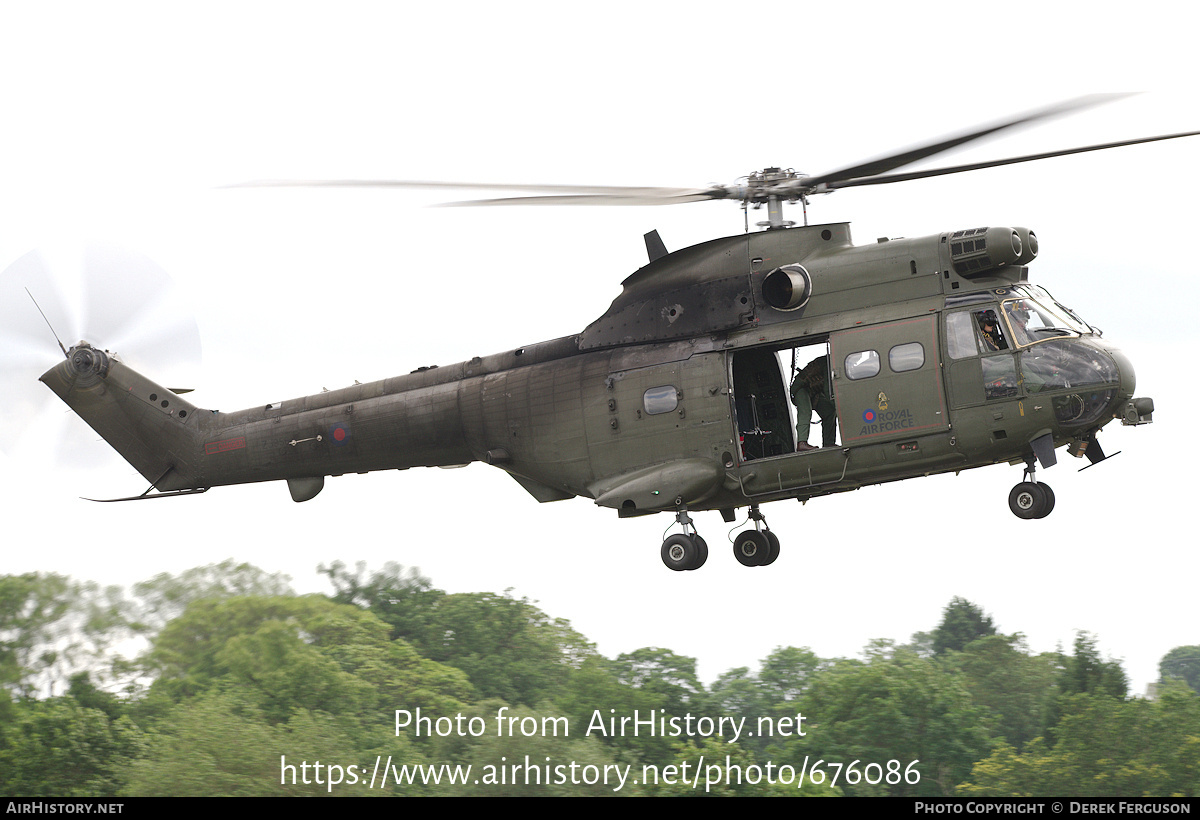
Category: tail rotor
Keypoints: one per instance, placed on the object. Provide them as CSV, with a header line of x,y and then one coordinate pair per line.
x,y
115,299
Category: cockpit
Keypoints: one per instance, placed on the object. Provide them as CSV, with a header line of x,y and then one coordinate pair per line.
x,y
1029,344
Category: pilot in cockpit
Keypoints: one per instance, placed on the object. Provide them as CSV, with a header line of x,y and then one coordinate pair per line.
x,y
989,331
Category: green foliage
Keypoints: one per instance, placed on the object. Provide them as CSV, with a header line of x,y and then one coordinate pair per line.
x,y
508,648
1083,672
545,758
788,673
253,685
661,672
1106,748
220,744
165,597
896,706
712,767
594,687
962,622
1086,673
31,607
404,601
1182,662
1013,687
60,748
299,653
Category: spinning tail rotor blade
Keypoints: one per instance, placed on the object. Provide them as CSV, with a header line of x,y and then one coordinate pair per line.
x,y
111,297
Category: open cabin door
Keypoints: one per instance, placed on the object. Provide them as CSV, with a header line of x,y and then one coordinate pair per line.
x,y
887,381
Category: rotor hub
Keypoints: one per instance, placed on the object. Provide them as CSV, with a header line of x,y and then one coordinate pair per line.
x,y
86,360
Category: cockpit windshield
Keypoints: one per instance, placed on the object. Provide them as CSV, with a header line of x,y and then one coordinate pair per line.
x,y
1035,317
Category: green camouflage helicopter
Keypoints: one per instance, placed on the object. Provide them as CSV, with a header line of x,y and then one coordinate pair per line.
x,y
695,390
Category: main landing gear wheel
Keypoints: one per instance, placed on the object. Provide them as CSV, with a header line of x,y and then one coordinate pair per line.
x,y
757,547
753,548
1029,500
773,552
683,552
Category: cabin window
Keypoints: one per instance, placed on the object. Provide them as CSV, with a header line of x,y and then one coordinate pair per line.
x,y
903,358
660,400
960,335
862,365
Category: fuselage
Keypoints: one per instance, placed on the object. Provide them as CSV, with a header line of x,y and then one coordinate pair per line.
x,y
682,394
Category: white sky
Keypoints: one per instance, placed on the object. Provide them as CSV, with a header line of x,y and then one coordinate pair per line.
x,y
119,121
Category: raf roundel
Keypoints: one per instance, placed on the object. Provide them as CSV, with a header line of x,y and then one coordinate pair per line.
x,y
339,434
868,416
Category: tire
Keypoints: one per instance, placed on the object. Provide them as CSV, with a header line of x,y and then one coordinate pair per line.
x,y
751,548
1049,500
701,551
1028,500
679,553
773,551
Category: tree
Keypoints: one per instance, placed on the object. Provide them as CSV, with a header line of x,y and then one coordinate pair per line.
x,y
1087,673
594,687
508,648
403,600
299,653
787,673
220,744
897,706
541,759
1013,687
1083,672
962,622
52,628
661,672
1105,747
1182,662
31,606
165,597
59,748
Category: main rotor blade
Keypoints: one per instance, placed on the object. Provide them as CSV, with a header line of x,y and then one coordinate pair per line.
x,y
976,166
663,196
910,155
557,189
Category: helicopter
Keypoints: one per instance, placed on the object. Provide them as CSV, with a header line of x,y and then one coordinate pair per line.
x,y
694,391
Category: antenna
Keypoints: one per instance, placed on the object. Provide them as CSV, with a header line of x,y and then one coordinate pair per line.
x,y
47,321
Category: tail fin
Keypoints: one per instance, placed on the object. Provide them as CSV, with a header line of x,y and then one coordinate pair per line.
x,y
150,426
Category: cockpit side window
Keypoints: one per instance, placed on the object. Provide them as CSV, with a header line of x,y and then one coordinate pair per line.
x,y
1032,321
960,335
990,335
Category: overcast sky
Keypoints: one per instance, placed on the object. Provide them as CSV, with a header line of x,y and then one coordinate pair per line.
x,y
121,121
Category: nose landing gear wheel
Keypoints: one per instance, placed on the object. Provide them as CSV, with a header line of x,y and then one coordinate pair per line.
x,y
683,552
1030,501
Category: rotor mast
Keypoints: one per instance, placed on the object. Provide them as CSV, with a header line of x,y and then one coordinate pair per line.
x,y
773,187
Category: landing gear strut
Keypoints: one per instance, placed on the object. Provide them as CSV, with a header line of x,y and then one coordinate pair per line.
x,y
757,547
684,550
1031,499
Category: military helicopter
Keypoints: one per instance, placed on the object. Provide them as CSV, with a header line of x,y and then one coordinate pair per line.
x,y
695,390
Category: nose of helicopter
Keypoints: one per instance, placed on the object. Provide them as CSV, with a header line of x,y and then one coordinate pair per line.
x,y
1121,379
1127,381
1089,382
1129,409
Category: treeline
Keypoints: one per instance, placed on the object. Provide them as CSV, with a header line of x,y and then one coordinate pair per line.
x,y
237,686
